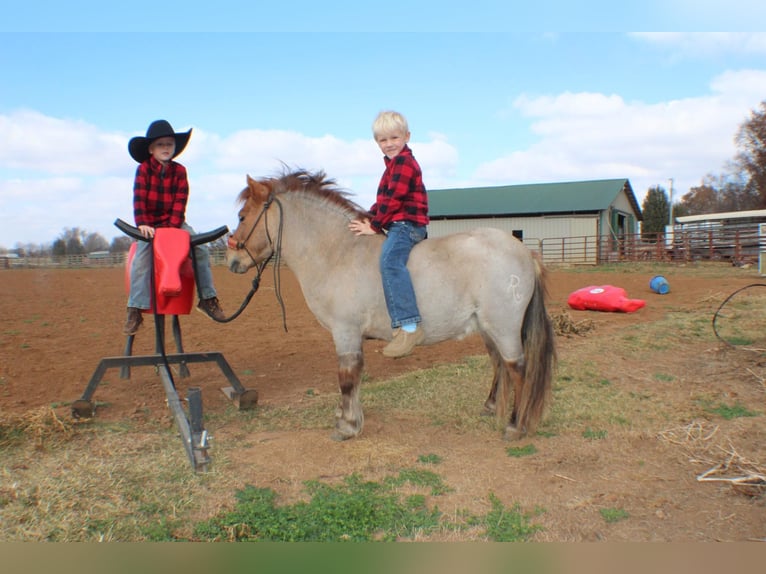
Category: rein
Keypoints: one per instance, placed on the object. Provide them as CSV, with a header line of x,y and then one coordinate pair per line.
x,y
276,254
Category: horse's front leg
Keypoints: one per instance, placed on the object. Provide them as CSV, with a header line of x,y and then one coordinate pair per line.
x,y
349,417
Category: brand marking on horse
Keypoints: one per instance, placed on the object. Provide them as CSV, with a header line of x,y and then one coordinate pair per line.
x,y
513,287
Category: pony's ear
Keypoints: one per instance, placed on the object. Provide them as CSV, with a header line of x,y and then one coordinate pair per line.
x,y
257,189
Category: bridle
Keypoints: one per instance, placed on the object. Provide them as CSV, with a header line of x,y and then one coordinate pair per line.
x,y
276,255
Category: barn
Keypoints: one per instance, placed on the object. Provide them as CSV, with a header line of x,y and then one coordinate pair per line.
x,y
569,222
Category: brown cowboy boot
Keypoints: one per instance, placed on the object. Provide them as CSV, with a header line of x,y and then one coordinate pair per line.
x,y
133,322
212,308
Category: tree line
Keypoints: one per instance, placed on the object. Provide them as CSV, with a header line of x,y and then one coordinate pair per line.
x,y
76,241
741,186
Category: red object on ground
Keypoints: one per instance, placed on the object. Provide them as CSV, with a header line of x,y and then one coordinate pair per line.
x,y
603,298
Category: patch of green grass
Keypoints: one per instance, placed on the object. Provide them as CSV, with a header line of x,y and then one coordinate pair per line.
x,y
731,412
421,478
740,341
430,458
519,451
508,524
662,377
612,515
355,511
594,434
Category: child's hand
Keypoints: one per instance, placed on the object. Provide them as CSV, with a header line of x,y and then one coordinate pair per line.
x,y
146,230
361,227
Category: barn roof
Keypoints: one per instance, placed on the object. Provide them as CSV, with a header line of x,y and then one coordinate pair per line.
x,y
529,199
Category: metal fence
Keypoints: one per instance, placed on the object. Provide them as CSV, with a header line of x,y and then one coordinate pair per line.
x,y
217,257
738,244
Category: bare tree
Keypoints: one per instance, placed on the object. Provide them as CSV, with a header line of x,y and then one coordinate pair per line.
x,y
95,242
751,140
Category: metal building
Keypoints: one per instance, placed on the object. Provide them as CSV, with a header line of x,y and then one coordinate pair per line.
x,y
569,221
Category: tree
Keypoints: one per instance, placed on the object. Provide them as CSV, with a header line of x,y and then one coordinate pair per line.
x,y
656,210
59,247
95,242
120,244
720,193
751,140
701,199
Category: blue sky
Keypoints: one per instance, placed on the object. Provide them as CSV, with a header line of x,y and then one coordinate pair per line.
x,y
490,100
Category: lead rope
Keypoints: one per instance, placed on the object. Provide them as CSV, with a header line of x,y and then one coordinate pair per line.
x,y
276,254
722,305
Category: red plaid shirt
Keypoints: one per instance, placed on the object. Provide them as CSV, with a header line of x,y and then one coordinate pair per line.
x,y
160,193
401,194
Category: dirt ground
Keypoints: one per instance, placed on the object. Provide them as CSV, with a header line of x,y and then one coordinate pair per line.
x,y
58,324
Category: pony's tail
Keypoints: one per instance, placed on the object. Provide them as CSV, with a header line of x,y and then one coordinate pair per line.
x,y
539,343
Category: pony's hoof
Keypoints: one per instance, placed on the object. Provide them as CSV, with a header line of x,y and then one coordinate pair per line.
x,y
338,437
512,432
489,409
344,431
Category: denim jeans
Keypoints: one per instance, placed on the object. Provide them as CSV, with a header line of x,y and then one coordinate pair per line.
x,y
397,285
140,280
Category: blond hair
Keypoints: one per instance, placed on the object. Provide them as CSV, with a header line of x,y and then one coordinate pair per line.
x,y
389,122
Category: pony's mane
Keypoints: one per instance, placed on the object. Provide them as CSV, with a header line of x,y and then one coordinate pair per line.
x,y
316,184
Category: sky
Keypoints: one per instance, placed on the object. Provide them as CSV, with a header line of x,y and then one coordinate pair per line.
x,y
492,96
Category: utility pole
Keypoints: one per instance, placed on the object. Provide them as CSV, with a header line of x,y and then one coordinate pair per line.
x,y
670,210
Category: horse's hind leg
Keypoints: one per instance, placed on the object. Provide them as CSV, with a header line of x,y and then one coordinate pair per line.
x,y
515,371
505,373
349,417
498,371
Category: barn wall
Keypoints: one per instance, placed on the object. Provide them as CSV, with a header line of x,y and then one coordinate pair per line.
x,y
537,232
533,227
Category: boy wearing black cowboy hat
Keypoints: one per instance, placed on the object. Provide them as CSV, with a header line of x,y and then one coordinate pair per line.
x,y
160,193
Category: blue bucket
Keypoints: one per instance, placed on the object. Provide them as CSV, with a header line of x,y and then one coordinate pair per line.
x,y
660,285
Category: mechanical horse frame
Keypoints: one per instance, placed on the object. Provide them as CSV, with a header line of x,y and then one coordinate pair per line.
x,y
193,435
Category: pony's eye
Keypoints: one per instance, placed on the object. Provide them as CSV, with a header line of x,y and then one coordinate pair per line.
x,y
241,218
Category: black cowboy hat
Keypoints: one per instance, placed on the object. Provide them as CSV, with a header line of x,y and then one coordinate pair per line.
x,y
139,146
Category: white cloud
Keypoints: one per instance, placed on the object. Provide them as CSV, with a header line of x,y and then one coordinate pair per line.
x,y
57,173
597,136
34,142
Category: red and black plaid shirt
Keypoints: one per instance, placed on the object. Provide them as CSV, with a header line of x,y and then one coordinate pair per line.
x,y
160,193
401,193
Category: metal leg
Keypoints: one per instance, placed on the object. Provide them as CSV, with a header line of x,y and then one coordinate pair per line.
x,y
199,436
197,457
183,368
125,370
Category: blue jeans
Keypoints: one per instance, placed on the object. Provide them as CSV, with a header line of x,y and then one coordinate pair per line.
x,y
140,278
397,285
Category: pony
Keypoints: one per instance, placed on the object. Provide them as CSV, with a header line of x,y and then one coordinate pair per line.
x,y
482,280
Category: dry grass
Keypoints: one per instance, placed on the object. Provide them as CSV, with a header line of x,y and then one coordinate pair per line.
x,y
703,444
618,396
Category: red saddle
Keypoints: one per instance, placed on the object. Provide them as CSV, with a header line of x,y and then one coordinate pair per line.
x,y
173,271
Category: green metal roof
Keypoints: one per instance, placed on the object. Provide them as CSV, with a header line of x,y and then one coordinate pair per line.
x,y
535,198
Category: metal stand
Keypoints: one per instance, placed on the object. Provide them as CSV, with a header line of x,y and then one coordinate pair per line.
x,y
193,434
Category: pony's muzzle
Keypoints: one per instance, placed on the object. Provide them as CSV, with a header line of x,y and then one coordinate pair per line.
x,y
232,243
